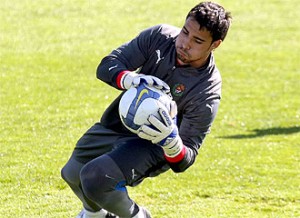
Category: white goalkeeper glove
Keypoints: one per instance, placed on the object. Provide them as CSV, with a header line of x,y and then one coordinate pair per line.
x,y
163,133
130,79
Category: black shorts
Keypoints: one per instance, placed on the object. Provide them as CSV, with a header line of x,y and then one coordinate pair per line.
x,y
137,158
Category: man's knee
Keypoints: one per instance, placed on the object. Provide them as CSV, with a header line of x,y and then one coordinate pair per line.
x,y
92,180
65,174
99,177
70,172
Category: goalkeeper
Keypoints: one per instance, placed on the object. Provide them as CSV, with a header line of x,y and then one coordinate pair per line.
x,y
108,157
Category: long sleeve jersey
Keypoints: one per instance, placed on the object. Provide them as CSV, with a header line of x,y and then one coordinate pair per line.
x,y
197,92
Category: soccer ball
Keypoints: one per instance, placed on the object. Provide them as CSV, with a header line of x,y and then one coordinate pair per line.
x,y
137,103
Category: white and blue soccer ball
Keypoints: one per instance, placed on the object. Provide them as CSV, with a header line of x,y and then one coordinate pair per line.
x,y
137,103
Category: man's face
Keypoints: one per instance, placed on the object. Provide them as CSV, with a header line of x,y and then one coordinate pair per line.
x,y
193,46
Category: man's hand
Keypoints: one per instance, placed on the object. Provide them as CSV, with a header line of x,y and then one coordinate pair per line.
x,y
130,79
163,133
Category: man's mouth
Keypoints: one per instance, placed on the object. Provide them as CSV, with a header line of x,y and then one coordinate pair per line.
x,y
181,58
181,54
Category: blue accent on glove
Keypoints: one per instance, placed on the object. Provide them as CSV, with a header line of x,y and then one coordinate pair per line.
x,y
172,135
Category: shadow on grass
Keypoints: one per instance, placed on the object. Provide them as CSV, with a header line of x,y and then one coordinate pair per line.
x,y
265,132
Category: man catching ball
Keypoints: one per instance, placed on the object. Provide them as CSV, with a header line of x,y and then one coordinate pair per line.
x,y
108,157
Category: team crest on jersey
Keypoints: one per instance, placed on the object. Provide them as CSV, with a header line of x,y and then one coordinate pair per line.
x,y
178,89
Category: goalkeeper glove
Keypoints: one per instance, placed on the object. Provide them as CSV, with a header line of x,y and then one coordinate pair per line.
x,y
164,133
127,79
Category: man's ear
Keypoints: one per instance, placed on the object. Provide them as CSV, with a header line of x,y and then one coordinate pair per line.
x,y
216,44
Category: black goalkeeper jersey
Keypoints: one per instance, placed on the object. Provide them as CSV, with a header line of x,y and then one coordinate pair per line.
x,y
197,92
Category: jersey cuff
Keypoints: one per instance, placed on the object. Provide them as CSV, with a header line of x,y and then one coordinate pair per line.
x,y
178,157
120,78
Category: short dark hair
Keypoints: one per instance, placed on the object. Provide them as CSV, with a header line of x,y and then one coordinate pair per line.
x,y
213,17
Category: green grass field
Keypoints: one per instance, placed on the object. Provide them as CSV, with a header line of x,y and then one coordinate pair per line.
x,y
249,165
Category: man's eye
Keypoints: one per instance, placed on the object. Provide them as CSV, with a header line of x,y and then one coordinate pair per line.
x,y
185,32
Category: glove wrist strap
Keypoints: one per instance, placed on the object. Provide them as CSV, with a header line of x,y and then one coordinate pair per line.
x,y
120,78
175,150
176,158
